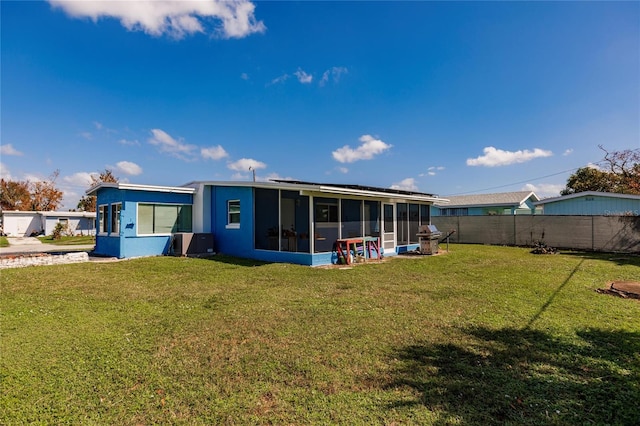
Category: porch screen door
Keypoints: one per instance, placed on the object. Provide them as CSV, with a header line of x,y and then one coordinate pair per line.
x,y
389,235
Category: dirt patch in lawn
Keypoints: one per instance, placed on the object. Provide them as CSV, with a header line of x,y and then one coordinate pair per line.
x,y
626,289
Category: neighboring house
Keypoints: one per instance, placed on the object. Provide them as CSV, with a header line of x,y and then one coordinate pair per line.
x,y
503,203
278,221
26,223
592,203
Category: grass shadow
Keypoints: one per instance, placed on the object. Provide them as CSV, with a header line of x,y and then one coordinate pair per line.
x,y
237,261
618,258
523,376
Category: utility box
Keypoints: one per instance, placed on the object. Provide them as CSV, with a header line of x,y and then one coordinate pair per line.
x,y
189,243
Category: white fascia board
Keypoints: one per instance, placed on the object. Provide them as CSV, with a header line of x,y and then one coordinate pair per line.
x,y
136,187
69,214
318,190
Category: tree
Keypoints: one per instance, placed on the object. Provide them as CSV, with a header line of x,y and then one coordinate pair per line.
x,y
104,176
621,174
626,165
88,202
26,195
14,195
589,179
44,194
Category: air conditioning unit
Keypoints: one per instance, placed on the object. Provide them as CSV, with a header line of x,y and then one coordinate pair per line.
x,y
188,243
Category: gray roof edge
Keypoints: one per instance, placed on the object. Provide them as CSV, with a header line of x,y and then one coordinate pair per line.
x,y
587,194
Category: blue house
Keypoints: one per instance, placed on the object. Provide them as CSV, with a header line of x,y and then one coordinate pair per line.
x,y
279,221
502,203
592,203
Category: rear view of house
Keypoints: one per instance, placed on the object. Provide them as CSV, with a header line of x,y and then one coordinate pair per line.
x,y
279,221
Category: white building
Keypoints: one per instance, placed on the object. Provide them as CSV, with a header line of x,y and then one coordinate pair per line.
x,y
23,224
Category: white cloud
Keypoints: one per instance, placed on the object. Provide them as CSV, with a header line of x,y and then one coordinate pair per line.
x,y
497,157
303,77
214,152
128,168
170,145
174,18
544,189
30,177
8,149
87,135
128,142
593,166
334,72
244,76
98,125
79,179
343,170
243,165
432,171
4,172
368,148
408,184
567,152
272,176
280,79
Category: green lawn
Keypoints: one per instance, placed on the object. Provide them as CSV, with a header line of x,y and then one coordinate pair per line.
x,y
4,242
65,241
481,335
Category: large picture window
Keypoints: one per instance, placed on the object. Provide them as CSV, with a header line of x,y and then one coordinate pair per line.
x,y
164,218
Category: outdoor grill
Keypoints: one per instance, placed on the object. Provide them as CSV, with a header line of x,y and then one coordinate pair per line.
x,y
428,236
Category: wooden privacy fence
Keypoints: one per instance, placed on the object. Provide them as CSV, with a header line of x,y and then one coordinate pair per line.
x,y
596,233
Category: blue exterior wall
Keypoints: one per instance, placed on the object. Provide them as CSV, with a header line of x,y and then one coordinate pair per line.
x,y
127,243
240,241
233,241
230,240
593,205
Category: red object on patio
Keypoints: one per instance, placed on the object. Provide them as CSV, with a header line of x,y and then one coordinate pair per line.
x,y
365,245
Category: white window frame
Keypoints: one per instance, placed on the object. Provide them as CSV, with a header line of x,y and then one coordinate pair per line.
x,y
114,222
231,224
103,218
158,234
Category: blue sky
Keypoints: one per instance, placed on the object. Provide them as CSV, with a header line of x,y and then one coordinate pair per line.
x,y
439,97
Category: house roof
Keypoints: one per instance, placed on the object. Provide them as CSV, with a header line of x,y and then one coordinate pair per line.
x,y
315,188
136,187
361,188
47,213
588,194
68,214
485,200
293,185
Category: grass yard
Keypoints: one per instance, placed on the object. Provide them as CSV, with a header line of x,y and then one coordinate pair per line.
x,y
481,335
4,242
69,240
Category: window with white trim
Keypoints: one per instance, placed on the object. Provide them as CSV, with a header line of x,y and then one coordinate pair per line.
x,y
164,218
103,223
233,214
115,218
